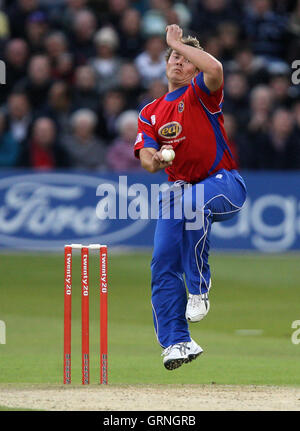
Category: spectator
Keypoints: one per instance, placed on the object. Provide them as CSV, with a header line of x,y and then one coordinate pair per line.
x,y
131,40
294,33
252,67
64,68
280,86
16,57
261,99
280,147
9,147
156,90
106,63
42,150
236,97
85,89
212,44
59,106
63,19
229,35
207,14
108,57
62,61
130,81
116,8
19,116
162,13
18,13
231,128
119,156
113,103
56,44
151,63
38,82
267,32
294,21
170,15
84,149
36,30
179,13
84,26
154,20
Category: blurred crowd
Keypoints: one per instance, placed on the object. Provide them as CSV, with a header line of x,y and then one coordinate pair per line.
x,y
79,71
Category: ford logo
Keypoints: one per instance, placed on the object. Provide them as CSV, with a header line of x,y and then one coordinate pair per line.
x,y
47,210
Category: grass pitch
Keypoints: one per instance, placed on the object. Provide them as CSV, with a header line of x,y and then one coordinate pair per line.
x,y
246,336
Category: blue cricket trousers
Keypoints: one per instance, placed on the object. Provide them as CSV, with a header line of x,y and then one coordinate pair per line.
x,y
180,252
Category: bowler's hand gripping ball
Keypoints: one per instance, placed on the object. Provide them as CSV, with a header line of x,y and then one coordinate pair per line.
x,y
168,155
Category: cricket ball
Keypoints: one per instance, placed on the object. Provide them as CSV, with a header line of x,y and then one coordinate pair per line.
x,y
168,155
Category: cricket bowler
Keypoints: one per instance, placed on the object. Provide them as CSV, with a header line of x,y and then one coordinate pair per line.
x,y
188,123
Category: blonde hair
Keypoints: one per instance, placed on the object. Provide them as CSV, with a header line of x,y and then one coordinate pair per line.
x,y
188,40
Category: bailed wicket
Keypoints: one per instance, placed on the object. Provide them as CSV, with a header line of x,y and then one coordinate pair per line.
x,y
103,288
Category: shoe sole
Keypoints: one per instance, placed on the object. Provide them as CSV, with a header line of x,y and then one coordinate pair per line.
x,y
172,364
195,319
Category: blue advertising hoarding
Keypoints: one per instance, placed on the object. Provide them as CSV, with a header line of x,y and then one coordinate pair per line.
x,y
44,211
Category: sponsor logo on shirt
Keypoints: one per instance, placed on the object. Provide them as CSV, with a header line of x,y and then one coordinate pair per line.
x,y
170,130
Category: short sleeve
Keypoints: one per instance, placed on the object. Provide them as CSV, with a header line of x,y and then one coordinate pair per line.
x,y
212,100
145,135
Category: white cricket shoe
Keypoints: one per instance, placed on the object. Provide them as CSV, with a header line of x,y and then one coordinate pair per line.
x,y
180,353
197,307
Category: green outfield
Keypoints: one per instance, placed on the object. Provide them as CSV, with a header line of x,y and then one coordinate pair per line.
x,y
250,292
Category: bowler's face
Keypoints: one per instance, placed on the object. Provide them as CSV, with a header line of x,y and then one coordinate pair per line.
x,y
180,71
